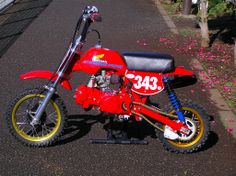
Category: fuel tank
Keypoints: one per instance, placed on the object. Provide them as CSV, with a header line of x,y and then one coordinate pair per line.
x,y
96,59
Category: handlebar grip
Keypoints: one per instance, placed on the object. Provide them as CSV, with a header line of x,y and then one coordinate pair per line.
x,y
90,10
92,13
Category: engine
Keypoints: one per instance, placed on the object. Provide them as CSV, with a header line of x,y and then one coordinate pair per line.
x,y
100,92
104,80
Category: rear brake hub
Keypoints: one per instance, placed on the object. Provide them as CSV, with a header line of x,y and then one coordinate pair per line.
x,y
185,134
192,130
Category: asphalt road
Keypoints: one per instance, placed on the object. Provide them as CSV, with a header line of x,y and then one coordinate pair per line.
x,y
42,46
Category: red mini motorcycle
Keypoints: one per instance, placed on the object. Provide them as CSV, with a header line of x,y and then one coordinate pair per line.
x,y
119,86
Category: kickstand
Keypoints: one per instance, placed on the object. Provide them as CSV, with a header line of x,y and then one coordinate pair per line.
x,y
120,138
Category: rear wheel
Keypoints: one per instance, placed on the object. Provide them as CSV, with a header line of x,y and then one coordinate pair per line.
x,y
198,122
21,111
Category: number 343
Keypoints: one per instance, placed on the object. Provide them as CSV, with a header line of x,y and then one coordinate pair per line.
x,y
147,82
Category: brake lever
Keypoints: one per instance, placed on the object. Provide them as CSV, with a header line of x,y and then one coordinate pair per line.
x,y
96,17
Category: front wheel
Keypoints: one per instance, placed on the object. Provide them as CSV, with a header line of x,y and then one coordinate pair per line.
x,y
21,111
198,121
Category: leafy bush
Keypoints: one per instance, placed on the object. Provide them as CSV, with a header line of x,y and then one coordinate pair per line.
x,y
217,9
221,7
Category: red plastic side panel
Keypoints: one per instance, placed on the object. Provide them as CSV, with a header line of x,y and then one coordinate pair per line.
x,y
46,75
180,71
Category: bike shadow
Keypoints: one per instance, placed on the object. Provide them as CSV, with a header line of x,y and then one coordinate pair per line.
x,y
212,138
78,126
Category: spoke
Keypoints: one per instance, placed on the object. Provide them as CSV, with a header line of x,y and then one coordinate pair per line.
x,y
21,113
47,129
35,131
33,102
42,131
22,129
30,130
196,120
21,123
52,120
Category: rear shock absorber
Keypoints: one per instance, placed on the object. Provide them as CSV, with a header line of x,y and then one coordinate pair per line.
x,y
173,99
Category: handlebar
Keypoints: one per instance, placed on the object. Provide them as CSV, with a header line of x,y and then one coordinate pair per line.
x,y
90,14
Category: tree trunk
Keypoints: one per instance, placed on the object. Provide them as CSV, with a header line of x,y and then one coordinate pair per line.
x,y
203,23
187,5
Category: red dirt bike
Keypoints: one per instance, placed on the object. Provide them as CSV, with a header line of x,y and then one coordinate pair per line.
x,y
37,116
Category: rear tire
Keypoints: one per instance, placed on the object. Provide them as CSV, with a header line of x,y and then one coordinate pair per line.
x,y
198,116
19,115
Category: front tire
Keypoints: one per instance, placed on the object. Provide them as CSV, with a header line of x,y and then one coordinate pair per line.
x,y
20,113
200,119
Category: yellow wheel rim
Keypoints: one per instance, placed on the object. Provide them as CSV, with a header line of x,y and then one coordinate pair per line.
x,y
198,134
28,137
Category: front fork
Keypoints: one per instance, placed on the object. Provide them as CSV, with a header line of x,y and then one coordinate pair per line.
x,y
43,105
174,100
69,55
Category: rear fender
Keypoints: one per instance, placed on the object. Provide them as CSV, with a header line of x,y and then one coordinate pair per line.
x,y
180,71
181,77
45,75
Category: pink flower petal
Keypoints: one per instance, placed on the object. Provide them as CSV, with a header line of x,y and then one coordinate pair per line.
x,y
163,39
226,88
230,130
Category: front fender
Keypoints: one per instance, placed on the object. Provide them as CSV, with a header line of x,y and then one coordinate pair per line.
x,y
45,75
